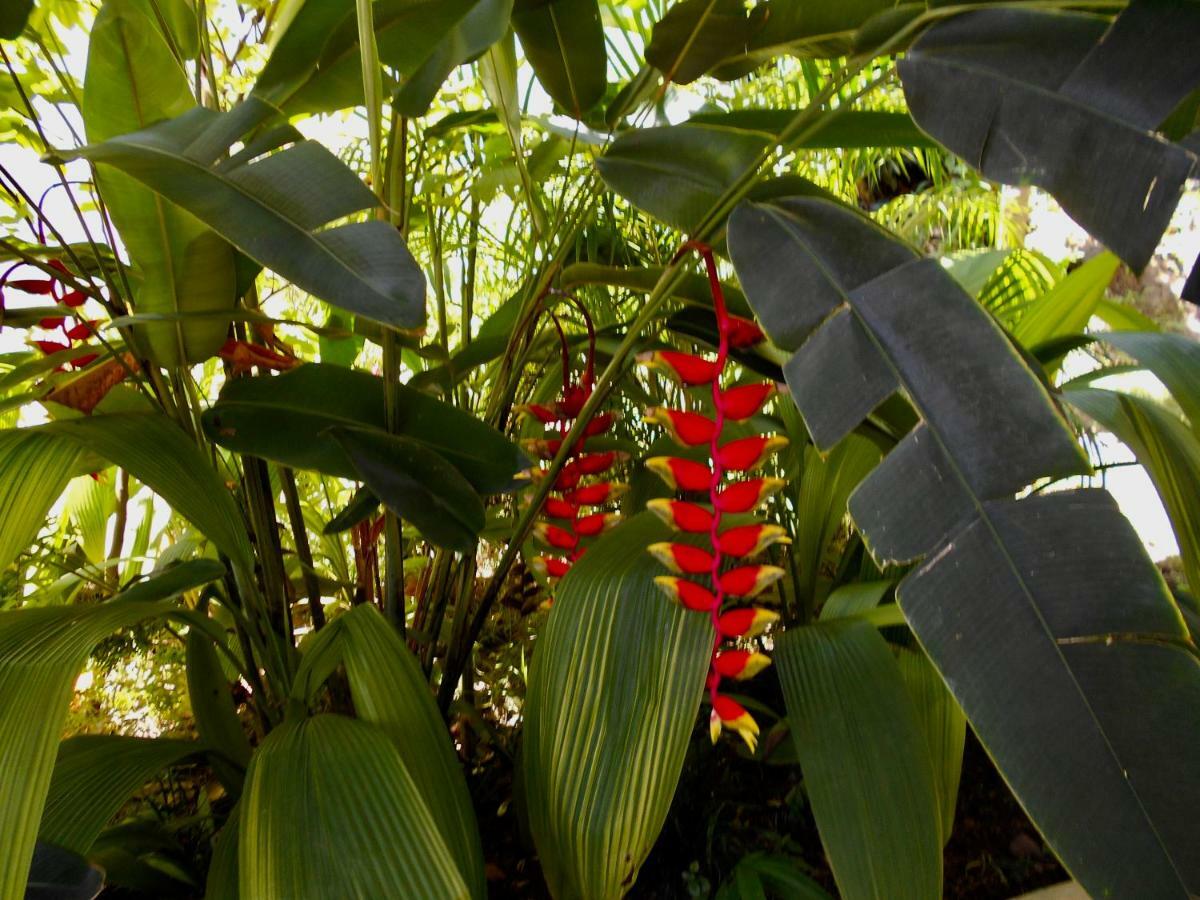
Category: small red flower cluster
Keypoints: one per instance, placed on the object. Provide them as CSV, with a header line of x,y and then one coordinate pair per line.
x,y
738,542
580,484
72,327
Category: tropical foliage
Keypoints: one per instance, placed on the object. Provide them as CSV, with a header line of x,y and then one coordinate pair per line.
x,y
322,325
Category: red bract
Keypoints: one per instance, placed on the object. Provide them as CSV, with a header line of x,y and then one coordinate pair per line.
x,y
571,495
688,428
747,454
748,540
685,516
743,496
744,401
690,370
713,586
33,285
683,559
681,474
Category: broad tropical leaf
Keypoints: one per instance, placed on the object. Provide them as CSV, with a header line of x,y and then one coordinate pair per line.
x,y
485,24
272,206
13,17
392,693
330,810
1173,358
287,419
1168,449
1066,307
1017,92
825,485
843,128
42,651
94,774
941,720
564,42
695,35
677,173
88,502
155,450
213,707
1008,602
866,765
614,690
172,578
34,470
180,266
314,64
693,289
417,484
853,599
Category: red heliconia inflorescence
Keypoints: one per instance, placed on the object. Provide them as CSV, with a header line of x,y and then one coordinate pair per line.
x,y
578,506
702,580
72,328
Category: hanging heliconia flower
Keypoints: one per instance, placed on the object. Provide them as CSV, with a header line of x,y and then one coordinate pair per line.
x,y
577,508
713,578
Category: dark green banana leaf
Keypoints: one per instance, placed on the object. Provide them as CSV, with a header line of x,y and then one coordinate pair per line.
x,y
1044,616
1067,102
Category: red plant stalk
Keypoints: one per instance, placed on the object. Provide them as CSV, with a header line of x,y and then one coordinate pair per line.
x,y
581,483
725,586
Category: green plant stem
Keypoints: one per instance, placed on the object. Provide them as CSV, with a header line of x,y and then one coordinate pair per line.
x,y
312,586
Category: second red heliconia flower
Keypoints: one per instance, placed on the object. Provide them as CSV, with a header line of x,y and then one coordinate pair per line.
x,y
703,579
576,509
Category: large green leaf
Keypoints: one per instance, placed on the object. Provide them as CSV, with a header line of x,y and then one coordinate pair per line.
x,y
155,450
826,483
1169,451
846,128
1051,598
42,651
272,207
693,289
564,42
695,35
417,484
13,17
94,775
134,80
482,26
1173,358
391,692
34,470
677,173
614,689
941,721
87,504
315,66
1020,94
331,811
803,28
867,769
213,707
1066,307
287,419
